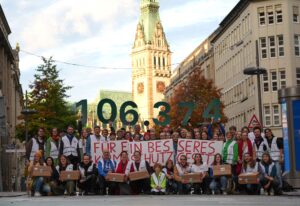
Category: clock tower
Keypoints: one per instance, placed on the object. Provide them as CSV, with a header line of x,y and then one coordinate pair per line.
x,y
151,60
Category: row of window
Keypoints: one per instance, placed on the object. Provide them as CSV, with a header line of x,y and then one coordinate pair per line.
x,y
298,76
272,115
270,15
297,44
274,78
159,61
273,14
271,46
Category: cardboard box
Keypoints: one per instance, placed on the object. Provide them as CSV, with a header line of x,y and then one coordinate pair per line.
x,y
249,178
41,171
222,170
69,175
138,175
115,177
192,178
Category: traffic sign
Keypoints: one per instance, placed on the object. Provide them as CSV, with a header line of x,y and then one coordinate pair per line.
x,y
254,122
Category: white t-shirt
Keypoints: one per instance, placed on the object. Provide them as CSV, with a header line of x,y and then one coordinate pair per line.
x,y
199,169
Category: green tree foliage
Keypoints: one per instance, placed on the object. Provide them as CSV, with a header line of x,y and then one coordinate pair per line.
x,y
48,96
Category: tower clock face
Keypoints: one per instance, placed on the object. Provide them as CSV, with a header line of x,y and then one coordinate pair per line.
x,y
140,88
160,87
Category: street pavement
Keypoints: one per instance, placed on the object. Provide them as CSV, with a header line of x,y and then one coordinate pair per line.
x,y
230,200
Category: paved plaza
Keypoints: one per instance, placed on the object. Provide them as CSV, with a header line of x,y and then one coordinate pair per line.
x,y
238,200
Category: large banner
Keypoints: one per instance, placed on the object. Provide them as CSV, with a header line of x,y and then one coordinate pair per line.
x,y
114,148
207,148
153,151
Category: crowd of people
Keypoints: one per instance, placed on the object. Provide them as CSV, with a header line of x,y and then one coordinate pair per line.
x,y
244,150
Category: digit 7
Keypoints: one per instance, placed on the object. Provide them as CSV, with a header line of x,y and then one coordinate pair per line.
x,y
188,114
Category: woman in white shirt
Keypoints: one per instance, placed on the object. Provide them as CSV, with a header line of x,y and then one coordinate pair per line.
x,y
201,168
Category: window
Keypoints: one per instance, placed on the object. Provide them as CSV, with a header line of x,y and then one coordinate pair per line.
x,y
272,46
267,115
298,76
266,82
270,13
278,11
158,61
282,79
261,16
164,62
274,81
276,115
280,45
296,14
297,45
263,48
154,61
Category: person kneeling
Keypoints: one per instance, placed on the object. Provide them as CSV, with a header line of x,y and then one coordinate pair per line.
x,y
158,181
64,186
268,178
88,175
179,170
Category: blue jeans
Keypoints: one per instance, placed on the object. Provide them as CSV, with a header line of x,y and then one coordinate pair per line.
x,y
40,186
278,170
184,189
218,183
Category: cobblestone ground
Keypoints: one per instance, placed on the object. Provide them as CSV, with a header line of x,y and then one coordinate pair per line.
x,y
152,200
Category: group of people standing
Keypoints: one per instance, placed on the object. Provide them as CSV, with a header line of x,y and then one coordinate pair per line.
x,y
245,151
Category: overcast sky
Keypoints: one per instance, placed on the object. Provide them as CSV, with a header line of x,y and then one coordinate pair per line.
x,y
101,33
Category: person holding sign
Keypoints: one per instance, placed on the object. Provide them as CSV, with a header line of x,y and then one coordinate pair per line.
x,y
69,147
180,169
200,168
63,186
269,180
96,137
124,188
218,183
105,166
88,175
158,180
36,183
139,165
250,166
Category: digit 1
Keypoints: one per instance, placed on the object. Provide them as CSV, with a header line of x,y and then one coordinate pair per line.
x,y
83,105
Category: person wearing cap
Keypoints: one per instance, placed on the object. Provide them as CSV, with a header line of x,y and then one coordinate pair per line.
x,y
105,166
36,184
158,180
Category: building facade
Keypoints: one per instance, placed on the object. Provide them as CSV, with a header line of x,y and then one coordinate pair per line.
x,y
275,25
151,60
202,58
11,101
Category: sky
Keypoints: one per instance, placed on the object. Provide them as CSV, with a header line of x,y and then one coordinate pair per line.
x,y
101,33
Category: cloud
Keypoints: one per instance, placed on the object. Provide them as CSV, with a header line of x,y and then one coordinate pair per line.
x,y
101,32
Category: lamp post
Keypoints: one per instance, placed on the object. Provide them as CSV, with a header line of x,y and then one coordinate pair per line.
x,y
257,71
26,112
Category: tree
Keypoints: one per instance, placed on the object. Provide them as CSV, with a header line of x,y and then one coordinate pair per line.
x,y
48,96
198,90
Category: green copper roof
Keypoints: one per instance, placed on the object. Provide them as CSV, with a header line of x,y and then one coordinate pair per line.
x,y
149,18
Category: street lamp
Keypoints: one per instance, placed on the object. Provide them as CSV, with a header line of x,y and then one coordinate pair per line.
x,y
257,71
26,112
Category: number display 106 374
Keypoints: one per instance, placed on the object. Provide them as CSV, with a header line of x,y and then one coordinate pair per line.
x,y
130,108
